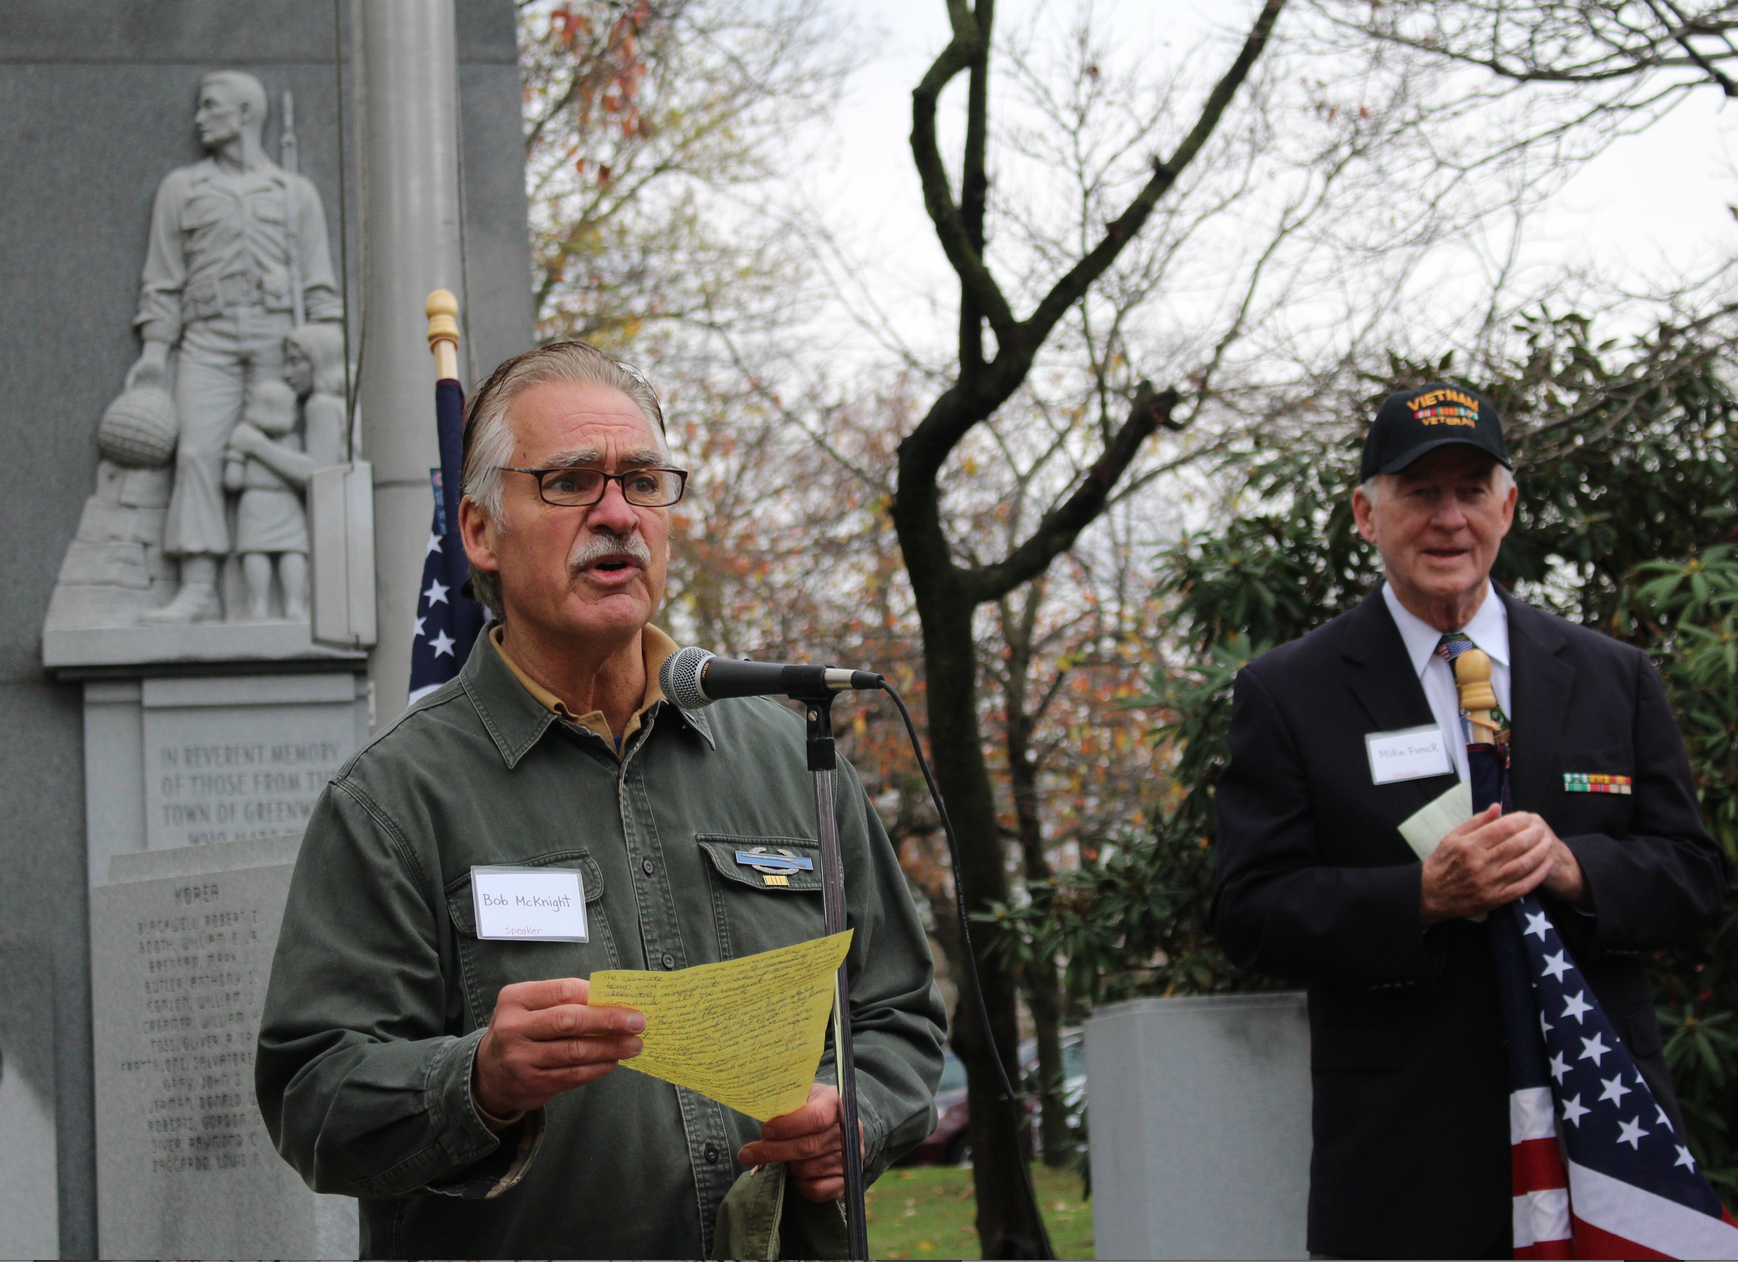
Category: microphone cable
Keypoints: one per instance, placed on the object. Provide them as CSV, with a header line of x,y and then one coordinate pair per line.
x,y
1046,1250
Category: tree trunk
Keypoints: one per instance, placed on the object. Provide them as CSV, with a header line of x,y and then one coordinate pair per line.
x,y
946,594
1044,997
1043,993
1005,1224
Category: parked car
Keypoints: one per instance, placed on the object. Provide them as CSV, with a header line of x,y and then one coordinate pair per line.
x,y
950,1142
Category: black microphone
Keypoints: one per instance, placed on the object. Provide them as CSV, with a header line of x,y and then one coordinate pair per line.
x,y
692,678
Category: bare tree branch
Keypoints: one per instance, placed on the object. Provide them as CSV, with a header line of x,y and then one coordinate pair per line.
x,y
1067,291
1058,529
1548,42
970,44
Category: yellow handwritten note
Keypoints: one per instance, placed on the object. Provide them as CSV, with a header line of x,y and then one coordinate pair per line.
x,y
748,1033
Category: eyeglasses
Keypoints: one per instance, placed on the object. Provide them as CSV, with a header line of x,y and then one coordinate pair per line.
x,y
578,488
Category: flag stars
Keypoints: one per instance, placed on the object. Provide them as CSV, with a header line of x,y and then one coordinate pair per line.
x,y
1574,1110
1576,1006
1630,1133
1538,922
434,542
1664,1120
436,593
1557,965
1684,1159
420,633
442,643
1593,1049
1559,1066
1614,1089
1545,1027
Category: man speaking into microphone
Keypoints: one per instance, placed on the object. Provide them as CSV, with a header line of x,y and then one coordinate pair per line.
x,y
453,1078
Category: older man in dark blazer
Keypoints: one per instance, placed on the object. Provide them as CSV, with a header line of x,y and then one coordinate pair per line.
x,y
1339,737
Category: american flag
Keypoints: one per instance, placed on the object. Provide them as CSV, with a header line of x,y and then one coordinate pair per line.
x,y
447,621
1599,1169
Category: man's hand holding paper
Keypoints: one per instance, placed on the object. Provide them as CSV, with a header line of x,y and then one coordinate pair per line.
x,y
1473,863
807,1141
1490,860
545,1038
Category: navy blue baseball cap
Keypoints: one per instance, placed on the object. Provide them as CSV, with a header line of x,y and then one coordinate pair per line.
x,y
1414,422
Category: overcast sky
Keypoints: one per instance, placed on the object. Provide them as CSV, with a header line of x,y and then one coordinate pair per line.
x,y
1650,205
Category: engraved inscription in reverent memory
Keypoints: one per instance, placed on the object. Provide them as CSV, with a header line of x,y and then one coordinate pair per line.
x,y
237,792
233,775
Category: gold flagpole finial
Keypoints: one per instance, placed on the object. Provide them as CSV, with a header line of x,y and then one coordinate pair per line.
x,y
1472,679
442,309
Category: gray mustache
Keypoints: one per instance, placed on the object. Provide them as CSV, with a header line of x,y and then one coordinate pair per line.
x,y
597,546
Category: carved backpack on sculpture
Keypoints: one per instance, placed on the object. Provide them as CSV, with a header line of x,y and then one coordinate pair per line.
x,y
114,568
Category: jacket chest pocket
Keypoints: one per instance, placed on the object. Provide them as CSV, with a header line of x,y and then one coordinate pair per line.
x,y
487,964
205,209
268,206
761,906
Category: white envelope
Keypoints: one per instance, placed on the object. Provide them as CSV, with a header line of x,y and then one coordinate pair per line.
x,y
1425,828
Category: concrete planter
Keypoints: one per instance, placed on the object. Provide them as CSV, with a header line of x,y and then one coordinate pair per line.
x,y
1200,1121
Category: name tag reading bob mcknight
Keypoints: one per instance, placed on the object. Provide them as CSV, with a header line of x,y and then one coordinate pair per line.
x,y
529,904
1409,754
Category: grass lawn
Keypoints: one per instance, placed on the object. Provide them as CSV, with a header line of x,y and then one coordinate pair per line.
x,y
928,1212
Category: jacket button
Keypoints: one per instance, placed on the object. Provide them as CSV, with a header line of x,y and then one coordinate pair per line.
x,y
647,866
669,960
711,1155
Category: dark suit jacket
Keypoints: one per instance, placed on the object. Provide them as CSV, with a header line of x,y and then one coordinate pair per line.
x,y
1315,884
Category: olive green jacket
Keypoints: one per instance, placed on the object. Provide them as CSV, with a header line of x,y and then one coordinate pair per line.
x,y
380,989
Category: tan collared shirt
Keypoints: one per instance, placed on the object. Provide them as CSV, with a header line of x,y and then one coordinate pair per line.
x,y
655,646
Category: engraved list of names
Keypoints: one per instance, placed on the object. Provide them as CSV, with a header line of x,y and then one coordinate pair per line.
x,y
179,972
198,1012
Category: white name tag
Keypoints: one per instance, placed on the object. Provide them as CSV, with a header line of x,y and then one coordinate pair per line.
x,y
514,904
1409,754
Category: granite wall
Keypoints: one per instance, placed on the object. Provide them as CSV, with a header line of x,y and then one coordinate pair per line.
x,y
98,97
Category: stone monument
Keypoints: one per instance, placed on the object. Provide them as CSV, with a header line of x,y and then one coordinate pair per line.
x,y
137,741
212,720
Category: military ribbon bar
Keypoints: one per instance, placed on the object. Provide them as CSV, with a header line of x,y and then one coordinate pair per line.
x,y
1586,782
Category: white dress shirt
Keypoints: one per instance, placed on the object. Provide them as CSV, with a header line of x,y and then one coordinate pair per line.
x,y
1489,629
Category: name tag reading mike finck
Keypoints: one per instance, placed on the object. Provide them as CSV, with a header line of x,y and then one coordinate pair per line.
x,y
537,904
1409,754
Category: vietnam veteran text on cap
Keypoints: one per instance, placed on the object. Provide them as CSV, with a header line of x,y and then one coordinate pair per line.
x,y
1414,422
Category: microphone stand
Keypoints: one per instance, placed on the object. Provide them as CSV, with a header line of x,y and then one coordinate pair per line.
x,y
824,762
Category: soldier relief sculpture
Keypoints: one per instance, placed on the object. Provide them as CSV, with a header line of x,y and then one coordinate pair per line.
x,y
235,399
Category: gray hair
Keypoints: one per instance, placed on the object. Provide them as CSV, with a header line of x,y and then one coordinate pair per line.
x,y
489,438
1503,477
